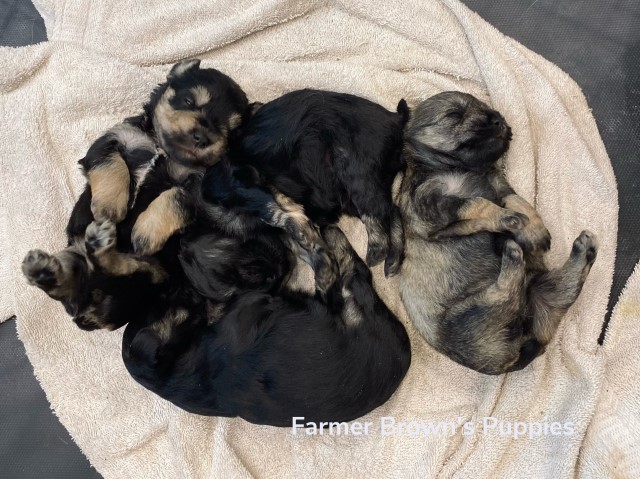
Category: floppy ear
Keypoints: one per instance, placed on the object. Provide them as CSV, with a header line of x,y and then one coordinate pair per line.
x,y
182,67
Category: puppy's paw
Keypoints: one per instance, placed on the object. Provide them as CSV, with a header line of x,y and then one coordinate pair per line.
x,y
115,211
41,269
512,254
585,246
325,271
376,252
514,221
393,264
100,237
534,236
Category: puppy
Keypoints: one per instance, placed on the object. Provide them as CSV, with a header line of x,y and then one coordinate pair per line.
x,y
334,154
193,117
105,290
474,281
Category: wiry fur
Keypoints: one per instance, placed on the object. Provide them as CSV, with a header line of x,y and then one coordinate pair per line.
x,y
474,281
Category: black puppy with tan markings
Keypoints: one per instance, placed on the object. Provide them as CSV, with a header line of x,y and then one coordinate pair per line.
x,y
474,281
193,118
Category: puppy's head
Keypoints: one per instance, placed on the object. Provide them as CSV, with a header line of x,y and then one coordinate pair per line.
x,y
195,112
455,129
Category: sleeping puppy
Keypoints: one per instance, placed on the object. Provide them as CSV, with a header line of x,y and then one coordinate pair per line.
x,y
334,154
230,344
107,289
193,118
474,281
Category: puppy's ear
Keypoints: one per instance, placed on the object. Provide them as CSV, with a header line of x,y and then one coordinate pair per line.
x,y
254,107
182,67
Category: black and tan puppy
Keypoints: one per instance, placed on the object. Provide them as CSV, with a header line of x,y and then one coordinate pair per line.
x,y
334,154
474,281
116,285
193,117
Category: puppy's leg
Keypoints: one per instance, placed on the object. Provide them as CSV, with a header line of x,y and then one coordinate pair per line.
x,y
476,215
355,298
282,212
170,212
110,181
484,331
56,275
534,236
394,260
100,241
553,293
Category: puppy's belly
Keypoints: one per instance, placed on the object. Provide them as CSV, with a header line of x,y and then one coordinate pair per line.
x,y
423,291
435,275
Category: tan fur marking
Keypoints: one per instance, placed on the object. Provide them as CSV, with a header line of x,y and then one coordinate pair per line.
x,y
234,121
162,218
172,319
110,189
201,95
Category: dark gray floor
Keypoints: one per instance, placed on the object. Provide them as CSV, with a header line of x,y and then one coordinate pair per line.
x,y
595,42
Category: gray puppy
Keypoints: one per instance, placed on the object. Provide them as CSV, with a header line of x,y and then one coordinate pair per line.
x,y
474,281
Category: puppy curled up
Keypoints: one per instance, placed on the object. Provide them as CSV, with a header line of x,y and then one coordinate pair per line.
x,y
474,280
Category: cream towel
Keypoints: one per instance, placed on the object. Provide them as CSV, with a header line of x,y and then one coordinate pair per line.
x,y
99,66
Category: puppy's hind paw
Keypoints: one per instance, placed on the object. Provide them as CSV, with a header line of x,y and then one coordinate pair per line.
x,y
41,269
512,253
100,237
585,245
376,253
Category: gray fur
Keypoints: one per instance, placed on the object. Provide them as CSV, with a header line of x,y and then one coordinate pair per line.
x,y
473,279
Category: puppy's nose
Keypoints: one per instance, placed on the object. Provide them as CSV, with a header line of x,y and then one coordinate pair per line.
x,y
495,119
200,139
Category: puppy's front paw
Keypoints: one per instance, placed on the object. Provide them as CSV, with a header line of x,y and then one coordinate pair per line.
x,y
514,221
41,269
100,237
512,253
534,236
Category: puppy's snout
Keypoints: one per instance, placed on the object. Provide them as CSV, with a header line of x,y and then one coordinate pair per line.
x,y
200,139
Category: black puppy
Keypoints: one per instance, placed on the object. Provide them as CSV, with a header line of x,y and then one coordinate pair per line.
x,y
474,281
270,357
333,153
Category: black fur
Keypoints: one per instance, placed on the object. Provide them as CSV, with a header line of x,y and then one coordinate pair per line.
x,y
335,154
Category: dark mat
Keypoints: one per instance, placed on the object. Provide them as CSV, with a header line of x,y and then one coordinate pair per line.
x,y
595,42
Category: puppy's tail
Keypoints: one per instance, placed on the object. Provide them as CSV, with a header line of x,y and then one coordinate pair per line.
x,y
403,111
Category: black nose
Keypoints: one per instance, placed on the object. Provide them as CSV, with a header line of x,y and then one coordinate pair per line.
x,y
200,139
494,119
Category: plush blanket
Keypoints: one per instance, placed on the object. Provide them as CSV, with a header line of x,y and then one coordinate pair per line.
x,y
99,65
